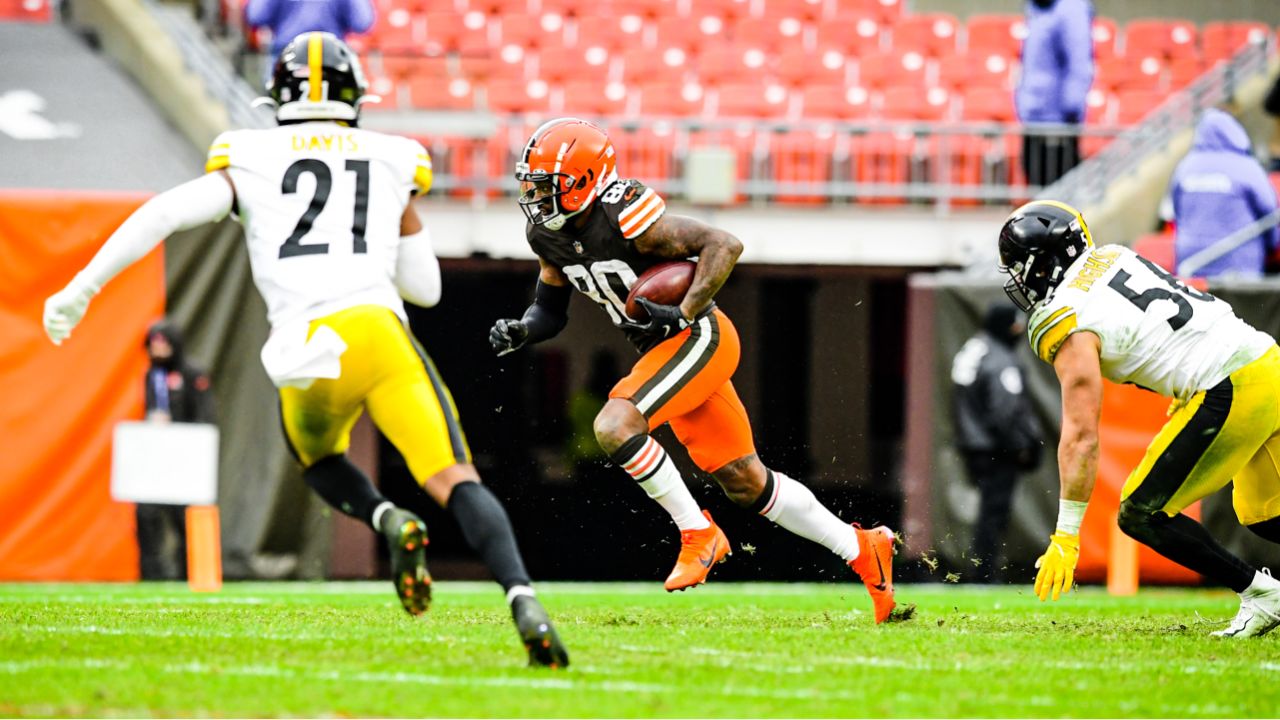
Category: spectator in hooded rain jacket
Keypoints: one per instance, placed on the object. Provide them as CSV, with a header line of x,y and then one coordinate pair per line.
x,y
288,19
1218,188
1057,70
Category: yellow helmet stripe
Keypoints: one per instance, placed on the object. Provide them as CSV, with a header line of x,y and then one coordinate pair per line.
x,y
315,66
1063,206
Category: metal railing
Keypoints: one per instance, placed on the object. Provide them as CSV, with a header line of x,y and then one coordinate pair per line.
x,y
1088,182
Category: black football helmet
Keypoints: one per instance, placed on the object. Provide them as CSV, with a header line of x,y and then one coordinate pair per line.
x,y
1038,243
318,77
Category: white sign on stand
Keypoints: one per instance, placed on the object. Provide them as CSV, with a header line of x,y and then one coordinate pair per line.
x,y
165,463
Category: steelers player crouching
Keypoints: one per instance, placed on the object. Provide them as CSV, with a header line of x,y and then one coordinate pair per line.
x,y
335,243
1105,311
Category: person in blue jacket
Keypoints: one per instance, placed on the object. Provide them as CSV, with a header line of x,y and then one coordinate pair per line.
x,y
1218,188
1057,70
288,19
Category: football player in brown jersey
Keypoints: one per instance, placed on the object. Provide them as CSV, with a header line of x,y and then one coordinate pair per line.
x,y
595,232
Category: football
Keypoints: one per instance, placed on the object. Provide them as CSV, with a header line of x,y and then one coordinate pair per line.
x,y
664,284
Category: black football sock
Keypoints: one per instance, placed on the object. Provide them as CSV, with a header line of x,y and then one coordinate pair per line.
x,y
487,529
343,486
1187,543
1267,529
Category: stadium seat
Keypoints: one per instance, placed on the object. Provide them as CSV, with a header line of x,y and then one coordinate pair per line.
x,y
999,34
751,99
1160,38
683,32
802,156
641,66
879,70
399,33
798,68
1183,71
26,10
930,34
985,104
914,103
646,153
444,31
1133,105
478,34
500,7
614,32
561,64
728,64
386,88
531,31
726,10
1105,34
1221,40
1099,112
807,10
400,68
438,93
851,35
882,159
974,69
1127,73
518,96
887,11
768,33
584,97
671,99
568,8
836,102
1156,247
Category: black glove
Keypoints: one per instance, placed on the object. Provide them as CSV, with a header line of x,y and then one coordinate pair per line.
x,y
507,335
664,320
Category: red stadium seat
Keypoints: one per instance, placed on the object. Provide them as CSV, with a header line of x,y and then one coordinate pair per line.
x,y
1221,40
443,31
888,11
931,34
399,32
1128,73
798,68
672,99
984,104
640,66
770,33
807,10
838,102
558,65
1099,112
519,96
478,33
385,88
687,33
594,98
802,156
1156,247
437,93
1000,34
751,99
532,31
914,103
26,10
851,35
615,32
500,7
1133,105
400,68
1159,38
881,158
892,68
724,9
568,8
646,153
974,69
729,63
1105,34
1183,71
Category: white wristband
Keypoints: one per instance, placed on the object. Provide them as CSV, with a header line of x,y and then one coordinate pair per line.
x,y
1070,515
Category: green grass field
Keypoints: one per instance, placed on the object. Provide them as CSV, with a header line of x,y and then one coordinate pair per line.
x,y
723,650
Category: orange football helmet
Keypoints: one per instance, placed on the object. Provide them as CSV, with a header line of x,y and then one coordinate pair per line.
x,y
564,167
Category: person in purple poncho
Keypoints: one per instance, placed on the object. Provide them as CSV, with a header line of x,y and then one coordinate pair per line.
x,y
1057,70
288,19
1218,188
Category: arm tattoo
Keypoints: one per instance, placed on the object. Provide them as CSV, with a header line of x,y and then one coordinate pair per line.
x,y
679,238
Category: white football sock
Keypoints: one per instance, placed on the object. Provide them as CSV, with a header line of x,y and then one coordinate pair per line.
x,y
652,468
1262,582
794,507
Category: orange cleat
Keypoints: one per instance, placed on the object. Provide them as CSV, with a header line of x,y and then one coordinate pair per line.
x,y
874,565
699,550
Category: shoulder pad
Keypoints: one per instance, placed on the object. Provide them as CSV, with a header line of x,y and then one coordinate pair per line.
x,y
633,206
1049,327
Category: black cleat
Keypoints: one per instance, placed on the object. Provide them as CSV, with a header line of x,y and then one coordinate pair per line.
x,y
538,634
406,536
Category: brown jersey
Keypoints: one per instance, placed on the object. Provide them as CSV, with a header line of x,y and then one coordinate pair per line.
x,y
600,257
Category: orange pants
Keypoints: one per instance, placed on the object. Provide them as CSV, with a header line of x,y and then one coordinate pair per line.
x,y
685,381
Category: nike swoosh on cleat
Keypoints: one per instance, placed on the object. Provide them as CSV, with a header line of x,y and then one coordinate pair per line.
x,y
712,556
880,568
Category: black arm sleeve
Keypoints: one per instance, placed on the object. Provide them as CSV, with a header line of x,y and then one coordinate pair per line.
x,y
549,313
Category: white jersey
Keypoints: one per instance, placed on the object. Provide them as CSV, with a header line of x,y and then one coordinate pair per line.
x,y
1155,331
321,205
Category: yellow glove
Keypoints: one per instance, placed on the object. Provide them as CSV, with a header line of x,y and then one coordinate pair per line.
x,y
1057,566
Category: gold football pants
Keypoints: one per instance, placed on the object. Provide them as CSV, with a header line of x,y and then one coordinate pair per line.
x,y
1229,432
387,372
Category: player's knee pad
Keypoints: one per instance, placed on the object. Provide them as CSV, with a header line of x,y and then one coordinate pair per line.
x,y
1140,521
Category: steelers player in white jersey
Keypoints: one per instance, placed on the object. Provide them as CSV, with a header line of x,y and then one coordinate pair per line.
x,y
334,244
1106,312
